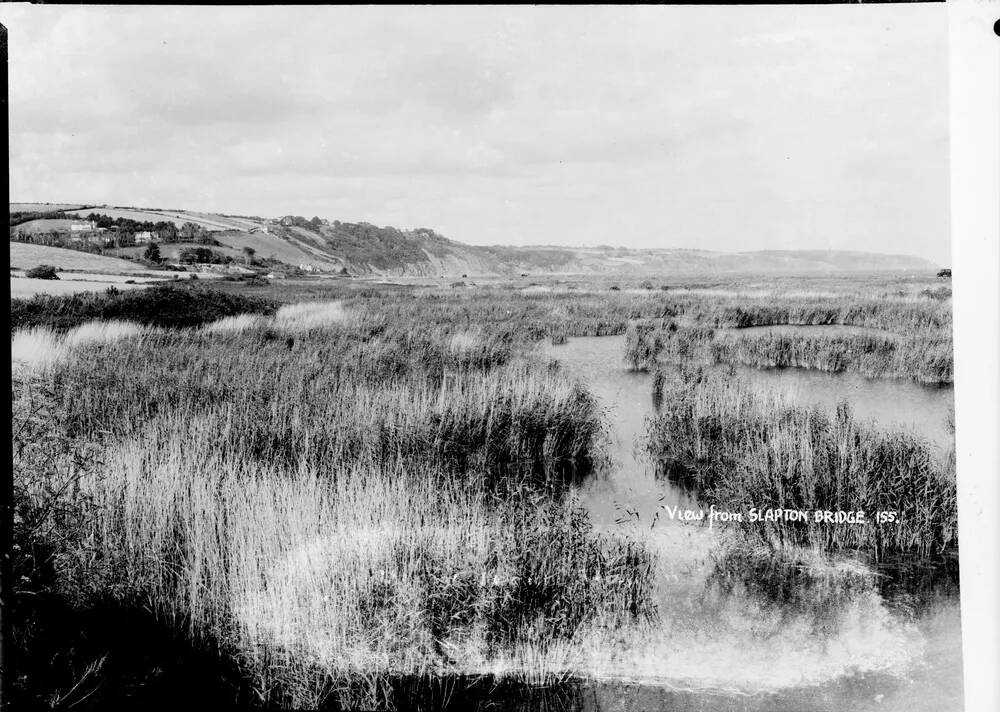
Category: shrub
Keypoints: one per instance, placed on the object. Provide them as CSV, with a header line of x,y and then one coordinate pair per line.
x,y
42,272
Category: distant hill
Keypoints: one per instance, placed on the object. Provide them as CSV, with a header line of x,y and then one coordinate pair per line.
x,y
366,249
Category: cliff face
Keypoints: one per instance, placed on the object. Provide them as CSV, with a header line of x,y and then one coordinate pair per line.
x,y
367,249
513,261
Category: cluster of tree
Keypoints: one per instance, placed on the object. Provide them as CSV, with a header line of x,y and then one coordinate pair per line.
x,y
313,224
57,238
165,230
203,255
383,247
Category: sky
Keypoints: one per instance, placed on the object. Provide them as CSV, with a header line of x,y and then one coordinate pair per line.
x,y
723,128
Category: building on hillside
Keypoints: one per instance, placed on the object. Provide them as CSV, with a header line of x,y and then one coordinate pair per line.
x,y
82,227
145,237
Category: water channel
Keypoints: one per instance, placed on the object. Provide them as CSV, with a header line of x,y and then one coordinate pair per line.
x,y
898,651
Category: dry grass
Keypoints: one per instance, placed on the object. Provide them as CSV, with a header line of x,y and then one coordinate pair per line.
x,y
42,347
310,315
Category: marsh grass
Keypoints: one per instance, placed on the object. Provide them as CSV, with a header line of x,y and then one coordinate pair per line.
x,y
924,359
162,305
42,347
372,488
642,345
791,582
333,510
361,572
739,448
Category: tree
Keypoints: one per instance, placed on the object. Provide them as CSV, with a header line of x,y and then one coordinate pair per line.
x,y
197,254
189,231
249,252
152,252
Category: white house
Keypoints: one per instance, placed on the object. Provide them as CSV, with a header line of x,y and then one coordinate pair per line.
x,y
82,227
141,238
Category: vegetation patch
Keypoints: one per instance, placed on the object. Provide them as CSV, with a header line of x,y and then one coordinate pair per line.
x,y
159,305
739,449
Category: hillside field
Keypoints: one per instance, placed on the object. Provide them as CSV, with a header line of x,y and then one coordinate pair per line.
x,y
25,255
178,217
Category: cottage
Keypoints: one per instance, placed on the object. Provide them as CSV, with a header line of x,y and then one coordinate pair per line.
x,y
144,237
82,227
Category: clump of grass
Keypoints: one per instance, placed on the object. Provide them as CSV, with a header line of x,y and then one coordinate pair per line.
x,y
642,345
42,346
235,324
685,343
791,582
928,360
310,315
738,448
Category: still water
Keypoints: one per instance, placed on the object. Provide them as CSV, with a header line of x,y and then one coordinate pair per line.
x,y
881,650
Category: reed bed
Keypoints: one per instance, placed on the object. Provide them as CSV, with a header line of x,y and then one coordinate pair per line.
x,y
165,305
362,572
335,506
924,359
339,393
739,448
371,487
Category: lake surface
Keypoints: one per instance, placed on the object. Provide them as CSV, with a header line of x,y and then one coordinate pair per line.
x,y
898,651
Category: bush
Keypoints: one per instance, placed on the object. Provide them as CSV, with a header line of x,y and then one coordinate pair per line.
x,y
42,272
161,305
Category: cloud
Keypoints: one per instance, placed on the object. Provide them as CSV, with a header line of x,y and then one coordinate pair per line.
x,y
726,127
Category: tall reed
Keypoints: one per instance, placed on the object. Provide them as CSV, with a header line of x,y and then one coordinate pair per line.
x,y
739,448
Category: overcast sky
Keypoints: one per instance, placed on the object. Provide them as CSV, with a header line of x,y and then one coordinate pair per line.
x,y
728,128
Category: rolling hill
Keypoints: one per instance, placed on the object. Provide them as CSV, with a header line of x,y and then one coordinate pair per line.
x,y
365,249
